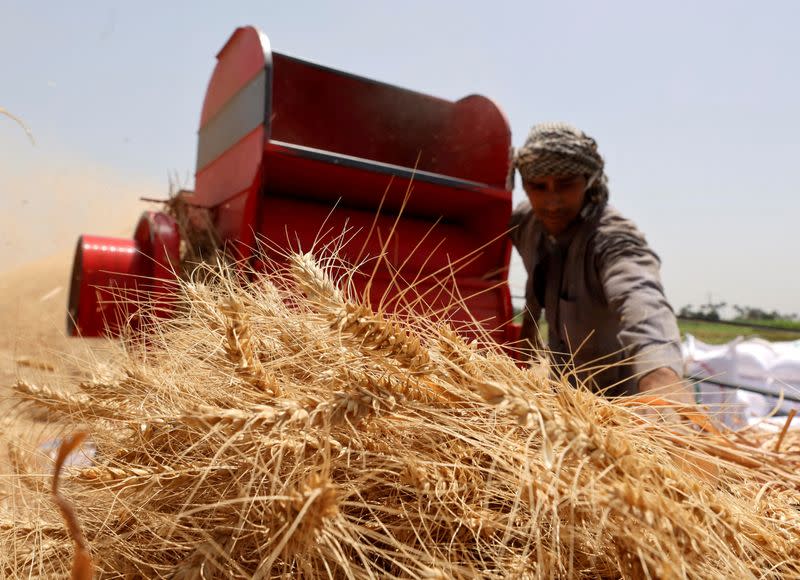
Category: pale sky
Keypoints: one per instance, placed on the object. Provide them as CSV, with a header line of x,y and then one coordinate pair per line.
x,y
695,106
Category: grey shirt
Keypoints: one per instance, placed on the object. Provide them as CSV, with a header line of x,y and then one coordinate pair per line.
x,y
599,286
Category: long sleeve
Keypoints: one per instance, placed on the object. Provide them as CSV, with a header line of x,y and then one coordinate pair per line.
x,y
521,232
629,274
524,237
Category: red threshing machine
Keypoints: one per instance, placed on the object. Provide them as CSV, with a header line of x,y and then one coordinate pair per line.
x,y
282,141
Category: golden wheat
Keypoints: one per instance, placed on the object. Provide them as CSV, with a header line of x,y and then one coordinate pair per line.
x,y
277,426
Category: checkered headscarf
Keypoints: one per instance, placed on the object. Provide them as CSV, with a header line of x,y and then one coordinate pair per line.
x,y
562,150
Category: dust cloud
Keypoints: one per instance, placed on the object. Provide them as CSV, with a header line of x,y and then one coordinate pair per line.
x,y
47,199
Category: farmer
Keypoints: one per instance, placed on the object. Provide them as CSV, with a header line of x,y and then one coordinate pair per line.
x,y
592,272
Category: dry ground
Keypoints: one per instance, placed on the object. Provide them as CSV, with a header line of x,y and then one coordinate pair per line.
x,y
32,314
33,341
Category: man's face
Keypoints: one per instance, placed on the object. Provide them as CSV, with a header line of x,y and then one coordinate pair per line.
x,y
556,200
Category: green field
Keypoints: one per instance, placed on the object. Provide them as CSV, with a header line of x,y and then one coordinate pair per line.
x,y
779,324
716,333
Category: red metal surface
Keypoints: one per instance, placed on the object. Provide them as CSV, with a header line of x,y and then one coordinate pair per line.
x,y
230,182
103,270
242,57
233,173
158,241
111,277
444,230
474,307
282,141
476,142
418,245
294,172
326,109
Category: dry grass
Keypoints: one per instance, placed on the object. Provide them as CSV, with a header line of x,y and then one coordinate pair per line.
x,y
281,427
19,122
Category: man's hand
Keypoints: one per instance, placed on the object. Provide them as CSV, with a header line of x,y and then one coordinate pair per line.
x,y
666,384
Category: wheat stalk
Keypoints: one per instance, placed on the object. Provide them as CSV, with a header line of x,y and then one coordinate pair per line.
x,y
278,426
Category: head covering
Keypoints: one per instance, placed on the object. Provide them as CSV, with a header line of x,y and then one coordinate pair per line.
x,y
562,150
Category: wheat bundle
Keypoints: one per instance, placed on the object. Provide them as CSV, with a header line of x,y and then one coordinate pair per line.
x,y
281,427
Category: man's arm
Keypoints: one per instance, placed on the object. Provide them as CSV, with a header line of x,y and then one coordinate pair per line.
x,y
629,273
666,383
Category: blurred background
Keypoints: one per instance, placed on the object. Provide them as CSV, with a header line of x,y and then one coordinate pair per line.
x,y
694,106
